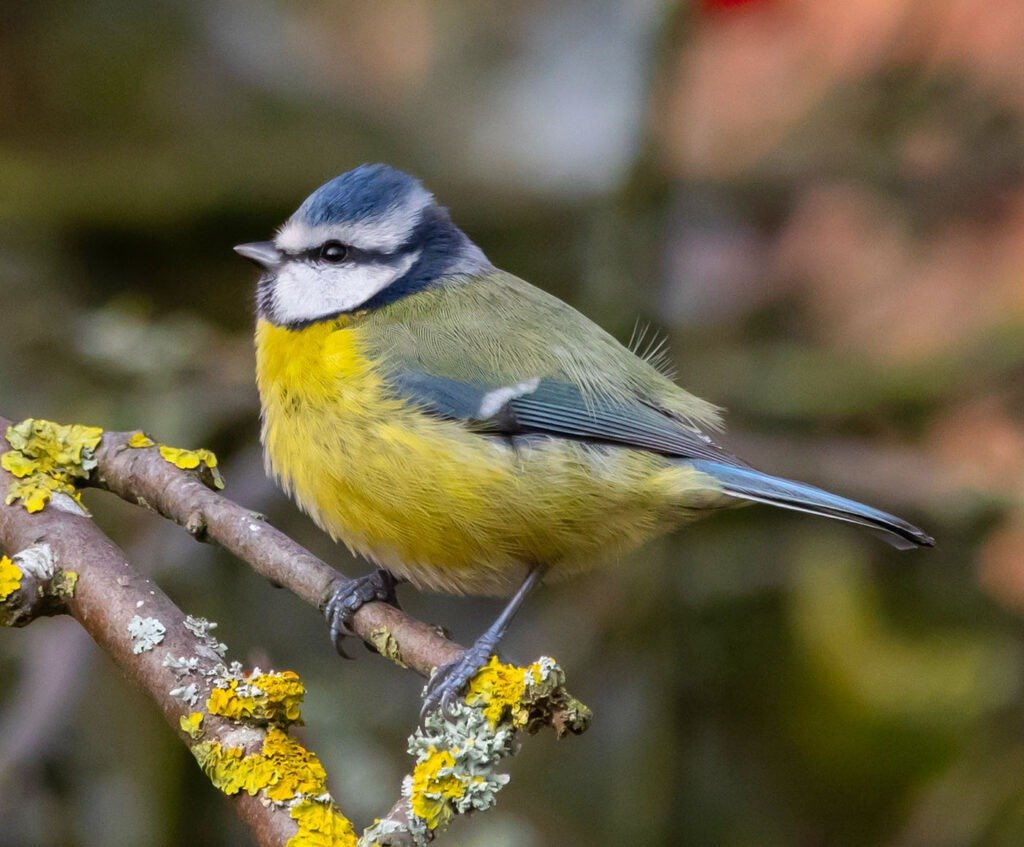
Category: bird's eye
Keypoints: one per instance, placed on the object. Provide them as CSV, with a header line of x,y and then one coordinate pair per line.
x,y
334,252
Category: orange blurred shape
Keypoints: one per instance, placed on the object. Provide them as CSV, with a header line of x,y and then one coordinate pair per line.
x,y
877,286
735,92
364,48
1001,563
983,444
984,38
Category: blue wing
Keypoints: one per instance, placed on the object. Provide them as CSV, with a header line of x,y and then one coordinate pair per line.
x,y
560,409
555,408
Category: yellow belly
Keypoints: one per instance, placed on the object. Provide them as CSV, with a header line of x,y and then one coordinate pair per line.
x,y
433,502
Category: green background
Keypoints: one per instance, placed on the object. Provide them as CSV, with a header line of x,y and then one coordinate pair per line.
x,y
821,206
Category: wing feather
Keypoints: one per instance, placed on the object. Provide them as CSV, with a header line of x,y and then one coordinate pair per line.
x,y
504,357
558,409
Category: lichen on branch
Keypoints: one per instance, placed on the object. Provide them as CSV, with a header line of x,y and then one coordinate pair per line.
x,y
281,771
237,723
262,698
457,754
201,460
47,459
10,578
32,584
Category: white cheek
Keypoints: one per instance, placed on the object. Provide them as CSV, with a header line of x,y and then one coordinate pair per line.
x,y
304,292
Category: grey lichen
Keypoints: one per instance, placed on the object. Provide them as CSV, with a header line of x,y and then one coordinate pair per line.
x,y
181,665
145,633
381,832
457,756
37,561
66,503
458,751
202,629
187,694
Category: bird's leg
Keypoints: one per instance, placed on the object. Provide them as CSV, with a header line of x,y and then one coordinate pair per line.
x,y
348,596
447,683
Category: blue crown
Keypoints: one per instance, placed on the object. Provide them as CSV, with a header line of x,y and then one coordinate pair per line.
x,y
364,192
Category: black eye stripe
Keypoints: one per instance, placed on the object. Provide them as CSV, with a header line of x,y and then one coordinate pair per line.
x,y
313,255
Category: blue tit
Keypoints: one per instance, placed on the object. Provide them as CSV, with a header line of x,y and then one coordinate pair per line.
x,y
467,431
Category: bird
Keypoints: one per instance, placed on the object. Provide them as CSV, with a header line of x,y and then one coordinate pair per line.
x,y
466,431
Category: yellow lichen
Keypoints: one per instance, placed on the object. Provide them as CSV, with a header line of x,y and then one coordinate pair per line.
x,y
434,783
48,458
188,460
192,724
264,698
524,695
35,491
10,578
296,770
387,645
500,689
228,768
321,824
283,769
458,751
140,440
63,584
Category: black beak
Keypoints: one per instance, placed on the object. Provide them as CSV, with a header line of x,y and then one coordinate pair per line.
x,y
262,253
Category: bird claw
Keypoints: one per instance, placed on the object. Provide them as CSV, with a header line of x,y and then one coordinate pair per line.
x,y
444,689
350,595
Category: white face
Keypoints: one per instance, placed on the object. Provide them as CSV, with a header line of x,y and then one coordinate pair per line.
x,y
309,285
310,290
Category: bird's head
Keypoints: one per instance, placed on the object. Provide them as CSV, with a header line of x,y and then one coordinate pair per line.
x,y
360,241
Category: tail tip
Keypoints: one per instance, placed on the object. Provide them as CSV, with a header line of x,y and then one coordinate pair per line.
x,y
906,536
924,539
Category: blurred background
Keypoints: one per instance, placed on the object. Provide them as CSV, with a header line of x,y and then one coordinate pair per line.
x,y
819,205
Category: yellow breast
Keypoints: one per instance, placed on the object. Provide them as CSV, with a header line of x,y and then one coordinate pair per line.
x,y
432,501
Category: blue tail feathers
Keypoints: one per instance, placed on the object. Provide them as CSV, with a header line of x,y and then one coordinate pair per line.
x,y
749,484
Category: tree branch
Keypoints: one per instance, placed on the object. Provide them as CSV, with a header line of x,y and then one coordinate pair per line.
x,y
244,747
107,595
142,476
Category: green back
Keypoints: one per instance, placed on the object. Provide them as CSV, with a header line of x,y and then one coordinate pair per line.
x,y
497,330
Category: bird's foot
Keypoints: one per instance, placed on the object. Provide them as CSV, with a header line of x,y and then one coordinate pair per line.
x,y
350,595
445,687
